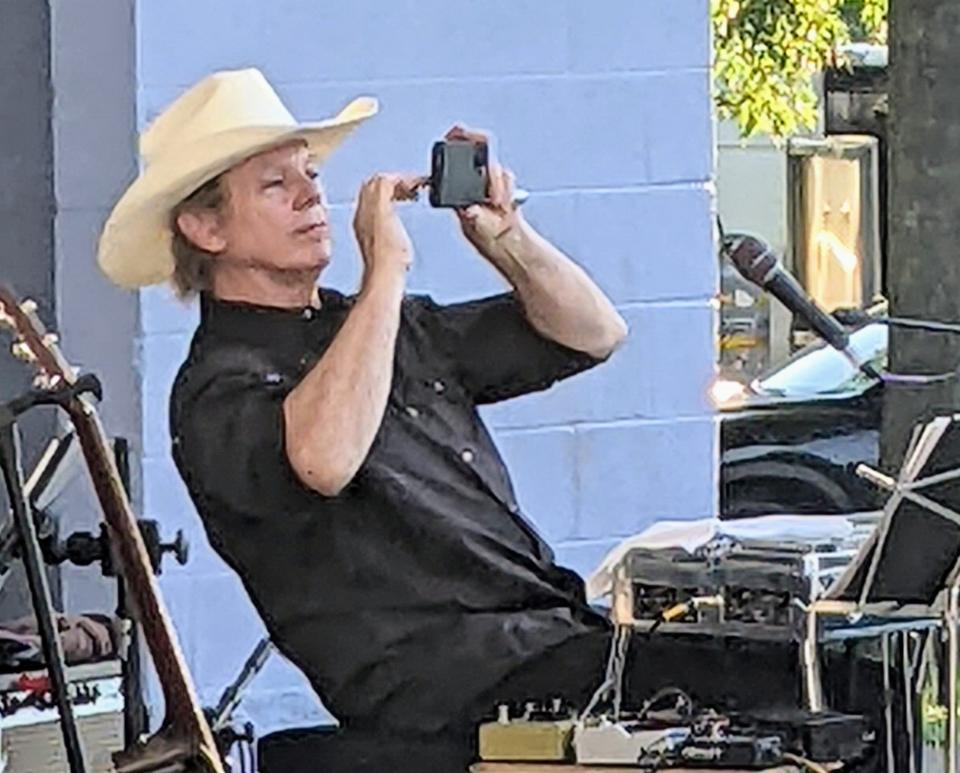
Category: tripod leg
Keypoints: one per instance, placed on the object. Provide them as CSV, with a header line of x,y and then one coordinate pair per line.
x,y
39,589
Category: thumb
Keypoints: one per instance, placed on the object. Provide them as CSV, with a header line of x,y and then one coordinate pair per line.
x,y
469,215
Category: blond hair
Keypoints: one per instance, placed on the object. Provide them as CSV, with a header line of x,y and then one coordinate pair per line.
x,y
193,266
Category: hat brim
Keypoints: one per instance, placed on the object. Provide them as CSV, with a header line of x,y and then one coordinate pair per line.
x,y
135,246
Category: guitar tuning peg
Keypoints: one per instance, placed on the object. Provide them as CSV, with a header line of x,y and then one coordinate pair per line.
x,y
51,338
23,352
6,321
46,382
29,306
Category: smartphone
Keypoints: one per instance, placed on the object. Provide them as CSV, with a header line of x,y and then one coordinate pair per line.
x,y
459,173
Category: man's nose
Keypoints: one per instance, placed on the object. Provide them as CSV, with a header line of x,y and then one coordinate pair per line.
x,y
308,195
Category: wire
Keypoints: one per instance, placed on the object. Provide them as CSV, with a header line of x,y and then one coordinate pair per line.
x,y
613,678
660,695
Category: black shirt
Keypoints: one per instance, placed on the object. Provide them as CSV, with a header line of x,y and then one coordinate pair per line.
x,y
421,584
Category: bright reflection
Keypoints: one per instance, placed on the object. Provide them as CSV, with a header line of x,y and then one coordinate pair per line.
x,y
842,254
726,392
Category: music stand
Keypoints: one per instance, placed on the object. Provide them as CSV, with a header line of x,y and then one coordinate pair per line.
x,y
906,576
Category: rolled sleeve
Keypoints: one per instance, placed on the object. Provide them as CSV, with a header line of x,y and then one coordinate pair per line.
x,y
229,442
498,352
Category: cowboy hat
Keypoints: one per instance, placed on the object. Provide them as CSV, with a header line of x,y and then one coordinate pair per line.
x,y
219,122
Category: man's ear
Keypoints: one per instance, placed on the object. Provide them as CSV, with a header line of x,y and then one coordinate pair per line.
x,y
203,229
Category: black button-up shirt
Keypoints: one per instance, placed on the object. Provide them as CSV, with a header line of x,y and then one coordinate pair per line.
x,y
421,584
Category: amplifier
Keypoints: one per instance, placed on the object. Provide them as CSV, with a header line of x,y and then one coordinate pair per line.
x,y
30,737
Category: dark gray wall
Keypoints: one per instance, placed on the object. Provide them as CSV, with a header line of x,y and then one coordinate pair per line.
x,y
67,149
26,209
93,70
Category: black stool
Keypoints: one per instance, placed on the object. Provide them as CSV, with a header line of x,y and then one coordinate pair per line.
x,y
332,749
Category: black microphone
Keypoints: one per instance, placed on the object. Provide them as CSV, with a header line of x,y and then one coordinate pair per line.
x,y
757,264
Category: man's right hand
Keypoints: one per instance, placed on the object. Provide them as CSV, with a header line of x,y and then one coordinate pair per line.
x,y
384,243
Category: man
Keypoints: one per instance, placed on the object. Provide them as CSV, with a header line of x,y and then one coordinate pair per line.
x,y
332,444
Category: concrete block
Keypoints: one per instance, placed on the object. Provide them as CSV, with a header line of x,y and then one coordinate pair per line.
x,y
167,501
542,464
639,35
224,629
635,473
162,312
296,41
663,369
556,132
161,357
583,556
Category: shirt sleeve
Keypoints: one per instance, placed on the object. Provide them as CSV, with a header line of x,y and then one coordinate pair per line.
x,y
229,440
498,353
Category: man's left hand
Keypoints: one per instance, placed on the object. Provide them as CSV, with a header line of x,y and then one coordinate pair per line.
x,y
485,224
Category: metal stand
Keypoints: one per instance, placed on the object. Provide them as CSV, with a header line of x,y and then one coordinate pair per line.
x,y
10,460
941,613
220,718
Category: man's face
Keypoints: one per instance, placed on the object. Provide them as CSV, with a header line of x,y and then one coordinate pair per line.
x,y
275,216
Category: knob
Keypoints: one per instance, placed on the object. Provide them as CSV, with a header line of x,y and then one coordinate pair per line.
x,y
22,351
180,547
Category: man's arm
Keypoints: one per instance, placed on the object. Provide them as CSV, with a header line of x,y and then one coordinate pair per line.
x,y
559,299
333,415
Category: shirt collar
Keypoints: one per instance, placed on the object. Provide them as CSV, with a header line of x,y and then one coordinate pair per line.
x,y
254,322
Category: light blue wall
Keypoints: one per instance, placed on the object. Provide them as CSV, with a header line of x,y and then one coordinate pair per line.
x,y
603,111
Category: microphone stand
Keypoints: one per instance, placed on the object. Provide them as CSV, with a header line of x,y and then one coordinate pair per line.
x,y
11,463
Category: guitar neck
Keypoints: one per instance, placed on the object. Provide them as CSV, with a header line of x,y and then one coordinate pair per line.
x,y
182,709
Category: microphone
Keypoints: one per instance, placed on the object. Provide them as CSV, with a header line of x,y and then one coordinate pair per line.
x,y
756,263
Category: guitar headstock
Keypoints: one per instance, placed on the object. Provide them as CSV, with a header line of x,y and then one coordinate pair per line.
x,y
32,343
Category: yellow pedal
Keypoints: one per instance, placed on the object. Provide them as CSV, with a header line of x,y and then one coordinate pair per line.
x,y
526,741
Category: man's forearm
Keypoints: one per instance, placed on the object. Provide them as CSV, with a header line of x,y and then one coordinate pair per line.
x,y
333,415
561,301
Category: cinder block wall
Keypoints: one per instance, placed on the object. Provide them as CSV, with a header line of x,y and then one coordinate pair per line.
x,y
603,111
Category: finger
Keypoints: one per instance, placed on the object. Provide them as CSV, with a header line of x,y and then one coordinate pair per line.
x,y
468,215
408,186
473,135
383,187
495,186
509,188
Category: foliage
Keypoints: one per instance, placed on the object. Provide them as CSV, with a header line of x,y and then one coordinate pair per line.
x,y
767,52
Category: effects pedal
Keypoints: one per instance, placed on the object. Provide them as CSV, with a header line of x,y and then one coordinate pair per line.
x,y
537,735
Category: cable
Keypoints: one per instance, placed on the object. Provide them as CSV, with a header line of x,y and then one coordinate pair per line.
x,y
660,695
613,677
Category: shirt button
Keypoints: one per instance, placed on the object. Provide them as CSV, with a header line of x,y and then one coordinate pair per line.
x,y
308,313
412,412
439,386
514,508
467,455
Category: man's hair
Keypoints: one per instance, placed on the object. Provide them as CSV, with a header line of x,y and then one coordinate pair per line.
x,y
192,266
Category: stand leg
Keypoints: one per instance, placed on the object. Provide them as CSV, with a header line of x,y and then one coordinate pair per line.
x,y
952,664
39,589
810,663
887,702
135,723
908,700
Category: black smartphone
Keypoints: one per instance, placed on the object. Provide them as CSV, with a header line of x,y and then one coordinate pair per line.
x,y
459,173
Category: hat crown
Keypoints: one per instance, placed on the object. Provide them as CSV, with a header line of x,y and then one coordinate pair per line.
x,y
232,99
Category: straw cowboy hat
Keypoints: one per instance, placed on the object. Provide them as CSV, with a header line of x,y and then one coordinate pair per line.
x,y
221,121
